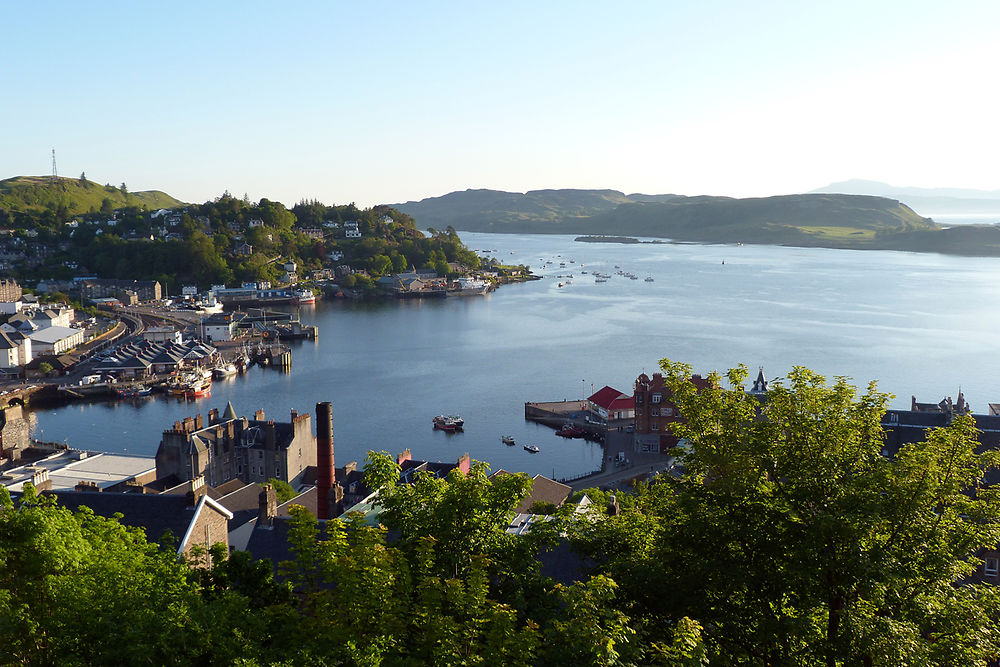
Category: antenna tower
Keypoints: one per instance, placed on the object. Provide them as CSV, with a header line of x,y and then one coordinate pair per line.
x,y
55,173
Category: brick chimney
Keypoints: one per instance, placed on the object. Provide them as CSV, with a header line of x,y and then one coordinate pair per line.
x,y
403,457
463,463
267,507
324,458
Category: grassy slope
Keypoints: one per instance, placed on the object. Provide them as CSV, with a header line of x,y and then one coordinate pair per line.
x,y
38,193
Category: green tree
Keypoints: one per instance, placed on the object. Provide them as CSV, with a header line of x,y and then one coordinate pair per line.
x,y
793,540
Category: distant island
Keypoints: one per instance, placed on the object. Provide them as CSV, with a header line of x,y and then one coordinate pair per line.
x,y
827,220
612,239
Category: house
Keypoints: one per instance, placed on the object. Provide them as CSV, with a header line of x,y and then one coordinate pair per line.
x,y
191,518
10,354
351,230
243,250
313,233
654,413
610,405
229,447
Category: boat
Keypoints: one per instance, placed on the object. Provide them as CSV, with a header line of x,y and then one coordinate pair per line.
x,y
301,296
649,279
224,371
507,439
531,448
570,431
600,280
443,423
134,392
457,421
562,284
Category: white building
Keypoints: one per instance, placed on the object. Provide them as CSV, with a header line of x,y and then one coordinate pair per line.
x,y
55,340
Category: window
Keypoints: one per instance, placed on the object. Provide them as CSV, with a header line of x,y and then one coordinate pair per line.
x,y
655,412
657,396
991,567
653,426
638,412
667,412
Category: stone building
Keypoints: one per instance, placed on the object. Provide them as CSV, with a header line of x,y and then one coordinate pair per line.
x,y
231,447
102,288
14,432
9,290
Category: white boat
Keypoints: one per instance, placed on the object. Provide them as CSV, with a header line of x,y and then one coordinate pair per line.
x,y
531,448
224,371
649,279
507,439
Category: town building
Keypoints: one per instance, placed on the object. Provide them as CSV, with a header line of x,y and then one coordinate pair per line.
x,y
10,290
608,405
229,447
654,412
125,291
55,340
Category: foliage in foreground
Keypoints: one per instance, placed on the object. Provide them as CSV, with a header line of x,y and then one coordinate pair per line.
x,y
788,540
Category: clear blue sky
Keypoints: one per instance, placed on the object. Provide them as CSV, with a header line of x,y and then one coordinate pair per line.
x,y
381,102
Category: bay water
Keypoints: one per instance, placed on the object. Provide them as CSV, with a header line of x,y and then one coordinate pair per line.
x,y
920,324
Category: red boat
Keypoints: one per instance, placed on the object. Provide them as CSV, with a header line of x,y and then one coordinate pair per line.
x,y
445,424
571,431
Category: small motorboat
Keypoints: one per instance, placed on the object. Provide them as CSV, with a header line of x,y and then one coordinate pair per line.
x,y
570,431
507,439
531,448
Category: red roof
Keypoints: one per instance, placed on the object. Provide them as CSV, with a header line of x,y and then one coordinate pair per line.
x,y
607,396
623,402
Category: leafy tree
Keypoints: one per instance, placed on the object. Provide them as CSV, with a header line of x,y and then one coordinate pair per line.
x,y
282,489
793,540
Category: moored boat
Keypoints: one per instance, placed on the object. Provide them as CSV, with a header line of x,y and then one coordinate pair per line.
x,y
532,448
570,431
443,423
507,439
224,371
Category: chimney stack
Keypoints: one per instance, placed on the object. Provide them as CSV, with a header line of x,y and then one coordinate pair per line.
x,y
324,458
267,506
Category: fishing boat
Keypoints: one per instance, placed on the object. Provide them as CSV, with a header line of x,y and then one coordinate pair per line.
x,y
443,423
531,448
507,439
224,371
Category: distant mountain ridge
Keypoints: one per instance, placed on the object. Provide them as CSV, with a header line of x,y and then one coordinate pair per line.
x,y
40,193
807,219
925,200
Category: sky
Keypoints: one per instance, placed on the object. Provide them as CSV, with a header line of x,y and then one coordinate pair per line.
x,y
383,102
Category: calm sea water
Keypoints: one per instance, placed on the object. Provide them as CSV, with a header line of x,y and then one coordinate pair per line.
x,y
920,324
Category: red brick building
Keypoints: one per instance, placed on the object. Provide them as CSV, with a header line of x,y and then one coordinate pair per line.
x,y
654,413
609,405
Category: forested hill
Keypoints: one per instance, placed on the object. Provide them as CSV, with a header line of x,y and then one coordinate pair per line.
x,y
498,211
808,219
74,196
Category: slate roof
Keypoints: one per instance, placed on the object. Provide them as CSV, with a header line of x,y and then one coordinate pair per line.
x,y
155,514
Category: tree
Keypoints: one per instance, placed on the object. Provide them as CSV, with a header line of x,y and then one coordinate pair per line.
x,y
83,178
793,540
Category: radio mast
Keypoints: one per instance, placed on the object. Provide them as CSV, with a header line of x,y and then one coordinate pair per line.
x,y
55,173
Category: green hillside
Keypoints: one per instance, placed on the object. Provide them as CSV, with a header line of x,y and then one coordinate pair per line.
x,y
830,220
848,221
498,211
40,193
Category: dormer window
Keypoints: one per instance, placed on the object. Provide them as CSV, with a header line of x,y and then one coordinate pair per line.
x,y
657,397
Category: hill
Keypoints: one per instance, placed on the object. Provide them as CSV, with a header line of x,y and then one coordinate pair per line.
x,y
925,200
499,211
809,219
40,193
